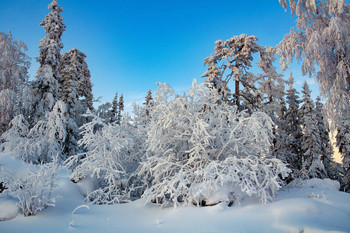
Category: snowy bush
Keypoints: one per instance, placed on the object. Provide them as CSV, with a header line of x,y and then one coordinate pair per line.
x,y
111,157
42,142
197,149
32,187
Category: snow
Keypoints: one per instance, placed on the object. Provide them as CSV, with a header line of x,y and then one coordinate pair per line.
x,y
313,206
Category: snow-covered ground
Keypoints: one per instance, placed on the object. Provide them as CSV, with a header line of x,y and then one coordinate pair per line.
x,y
309,206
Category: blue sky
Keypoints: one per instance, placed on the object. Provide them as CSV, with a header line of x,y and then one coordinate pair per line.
x,y
132,44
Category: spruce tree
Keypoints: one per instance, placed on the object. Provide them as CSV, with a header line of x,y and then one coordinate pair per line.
x,y
311,144
326,147
148,102
46,85
343,143
293,128
120,108
115,107
76,85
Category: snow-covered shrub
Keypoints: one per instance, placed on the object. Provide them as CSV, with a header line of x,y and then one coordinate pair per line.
x,y
32,187
42,142
197,149
111,157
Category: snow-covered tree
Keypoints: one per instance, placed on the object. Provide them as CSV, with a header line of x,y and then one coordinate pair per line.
x,y
120,108
195,153
46,86
231,61
14,63
326,147
32,188
110,159
14,66
115,106
74,67
104,111
46,140
311,143
148,102
321,41
343,138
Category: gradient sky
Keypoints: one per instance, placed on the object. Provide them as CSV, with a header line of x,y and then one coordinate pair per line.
x,y
132,44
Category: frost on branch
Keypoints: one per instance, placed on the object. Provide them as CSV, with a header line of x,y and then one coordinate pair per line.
x,y
110,158
32,188
41,143
195,153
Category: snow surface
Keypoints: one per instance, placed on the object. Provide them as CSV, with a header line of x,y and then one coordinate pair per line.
x,y
309,206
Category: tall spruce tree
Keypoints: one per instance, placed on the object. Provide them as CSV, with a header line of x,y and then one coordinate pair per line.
x,y
326,147
343,143
311,143
76,84
293,128
115,107
46,85
120,108
148,102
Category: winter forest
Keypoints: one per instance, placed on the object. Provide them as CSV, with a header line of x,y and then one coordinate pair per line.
x,y
241,137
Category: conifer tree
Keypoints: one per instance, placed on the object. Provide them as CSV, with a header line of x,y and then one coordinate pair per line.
x,y
76,85
120,108
326,147
293,129
148,102
46,86
231,62
115,107
343,143
311,144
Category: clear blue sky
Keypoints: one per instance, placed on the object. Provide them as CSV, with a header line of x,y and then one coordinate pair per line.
x,y
132,44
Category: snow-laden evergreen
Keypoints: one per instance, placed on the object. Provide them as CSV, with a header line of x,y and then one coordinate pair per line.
x,y
46,86
311,142
292,129
202,156
41,143
343,143
331,167
114,111
76,85
321,38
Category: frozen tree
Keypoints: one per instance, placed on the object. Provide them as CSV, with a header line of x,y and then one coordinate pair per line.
x,y
14,63
44,141
202,156
75,69
321,41
120,108
115,106
343,138
104,111
46,86
32,188
326,147
14,66
311,144
231,61
148,102
111,157
292,129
